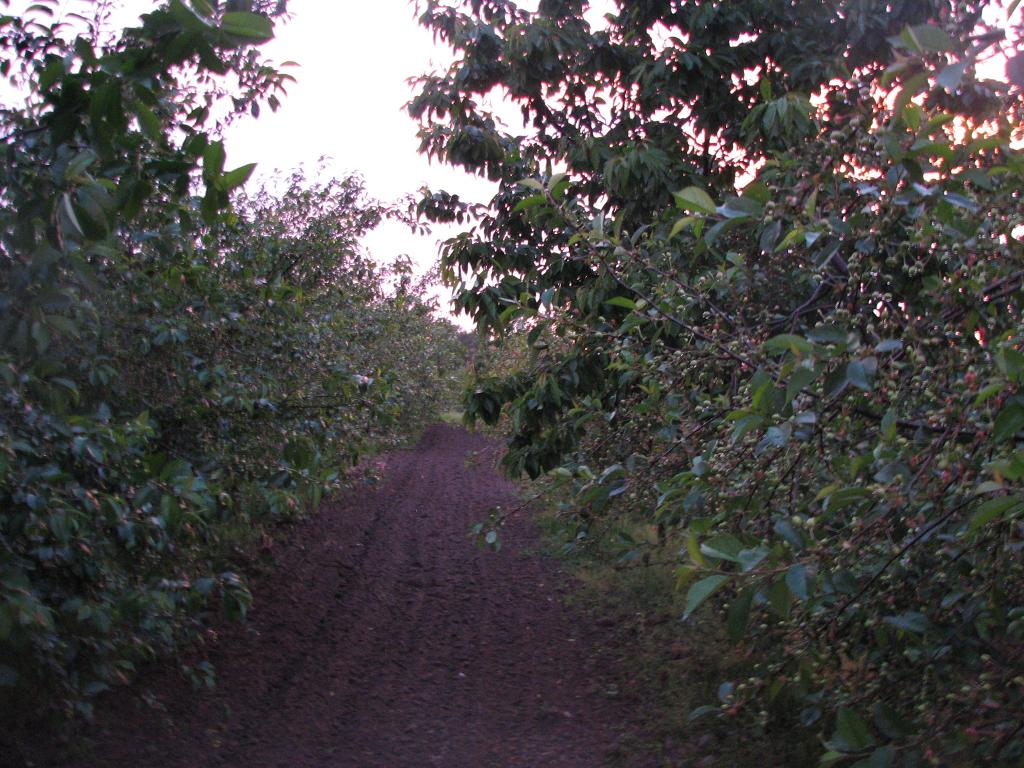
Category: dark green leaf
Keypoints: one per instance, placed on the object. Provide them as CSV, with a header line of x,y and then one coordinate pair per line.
x,y
749,559
8,677
700,712
786,530
1015,69
799,380
737,207
739,613
932,38
1009,422
779,598
701,591
236,178
621,301
852,733
213,161
724,546
694,199
914,622
857,375
789,342
994,509
883,757
248,25
949,77
796,580
828,334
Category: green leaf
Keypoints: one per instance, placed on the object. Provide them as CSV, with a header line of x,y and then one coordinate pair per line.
x,y
72,217
41,336
724,546
202,7
829,334
796,580
693,548
621,301
530,202
745,425
1011,363
694,199
213,161
739,613
883,757
988,393
249,25
91,205
189,16
149,121
1008,423
889,722
793,237
857,375
79,163
786,530
911,621
1015,65
779,598
738,207
995,508
852,733
949,77
700,712
928,37
799,380
236,178
8,677
51,73
798,345
844,497
724,227
680,225
701,591
889,424
749,559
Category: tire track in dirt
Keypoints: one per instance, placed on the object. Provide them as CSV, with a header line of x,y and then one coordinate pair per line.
x,y
385,639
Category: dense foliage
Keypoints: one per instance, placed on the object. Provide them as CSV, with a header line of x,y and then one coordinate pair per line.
x,y
177,373
768,258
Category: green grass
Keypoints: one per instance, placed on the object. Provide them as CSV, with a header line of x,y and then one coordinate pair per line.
x,y
666,666
452,417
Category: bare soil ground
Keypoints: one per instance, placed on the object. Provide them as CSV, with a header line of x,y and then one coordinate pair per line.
x,y
385,639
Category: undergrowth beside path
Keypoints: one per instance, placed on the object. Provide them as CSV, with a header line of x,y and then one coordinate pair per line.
x,y
383,638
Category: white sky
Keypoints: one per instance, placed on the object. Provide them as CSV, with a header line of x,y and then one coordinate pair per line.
x,y
348,106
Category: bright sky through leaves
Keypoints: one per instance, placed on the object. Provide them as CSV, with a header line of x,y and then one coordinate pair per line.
x,y
348,106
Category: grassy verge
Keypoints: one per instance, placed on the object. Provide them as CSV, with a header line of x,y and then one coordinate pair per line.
x,y
452,417
669,669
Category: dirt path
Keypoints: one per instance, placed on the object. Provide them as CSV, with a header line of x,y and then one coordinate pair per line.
x,y
385,639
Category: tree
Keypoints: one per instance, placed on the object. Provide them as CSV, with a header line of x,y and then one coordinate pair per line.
x,y
768,258
178,373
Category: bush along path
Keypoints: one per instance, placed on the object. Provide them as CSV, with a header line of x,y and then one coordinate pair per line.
x,y
384,637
